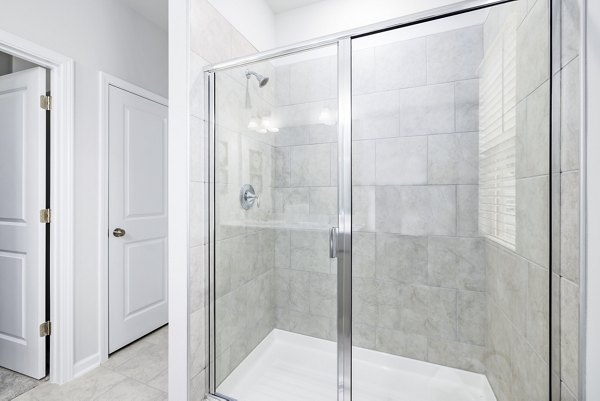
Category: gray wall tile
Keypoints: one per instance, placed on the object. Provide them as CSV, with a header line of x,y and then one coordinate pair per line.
x,y
291,201
401,161
453,158
292,288
570,30
510,288
538,311
304,323
533,222
454,55
282,248
398,343
323,201
442,313
290,136
321,133
363,336
198,162
310,250
533,137
570,117
529,372
363,163
467,105
472,318
211,34
401,64
566,394
376,115
427,110
282,85
281,167
569,226
311,165
313,80
426,210
569,338
323,295
499,356
365,308
456,354
533,40
467,210
197,94
363,71
363,254
402,259
456,263
197,214
197,278
363,208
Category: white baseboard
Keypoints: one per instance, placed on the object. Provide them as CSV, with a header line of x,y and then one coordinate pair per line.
x,y
86,365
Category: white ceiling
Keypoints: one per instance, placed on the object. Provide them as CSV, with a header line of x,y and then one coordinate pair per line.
x,y
156,11
281,6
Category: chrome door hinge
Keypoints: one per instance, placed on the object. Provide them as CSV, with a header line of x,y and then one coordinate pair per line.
x,y
45,329
46,102
46,216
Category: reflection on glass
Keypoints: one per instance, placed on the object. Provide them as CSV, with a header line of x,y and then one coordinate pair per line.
x,y
276,131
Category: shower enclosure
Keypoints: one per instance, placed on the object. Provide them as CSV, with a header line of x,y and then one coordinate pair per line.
x,y
379,212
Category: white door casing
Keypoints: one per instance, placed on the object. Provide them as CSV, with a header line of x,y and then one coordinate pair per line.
x,y
22,236
137,174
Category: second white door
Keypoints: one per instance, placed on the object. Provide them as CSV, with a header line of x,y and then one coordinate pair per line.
x,y
137,271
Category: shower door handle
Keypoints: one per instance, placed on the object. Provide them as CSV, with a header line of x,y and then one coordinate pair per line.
x,y
333,234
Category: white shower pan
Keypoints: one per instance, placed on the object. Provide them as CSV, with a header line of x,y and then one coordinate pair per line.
x,y
293,367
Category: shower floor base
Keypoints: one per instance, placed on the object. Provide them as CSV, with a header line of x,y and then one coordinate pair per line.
x,y
293,367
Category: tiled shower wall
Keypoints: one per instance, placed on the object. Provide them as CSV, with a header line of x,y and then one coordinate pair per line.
x,y
418,262
305,197
565,269
419,274
213,39
518,281
518,348
244,277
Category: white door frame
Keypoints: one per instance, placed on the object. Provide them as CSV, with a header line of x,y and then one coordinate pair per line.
x,y
62,86
179,130
106,81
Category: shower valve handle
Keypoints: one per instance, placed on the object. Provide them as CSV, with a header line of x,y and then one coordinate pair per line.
x,y
249,197
253,198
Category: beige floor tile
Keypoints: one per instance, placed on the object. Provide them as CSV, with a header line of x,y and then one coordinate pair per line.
x,y
131,390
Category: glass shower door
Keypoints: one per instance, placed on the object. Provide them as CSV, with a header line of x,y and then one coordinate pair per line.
x,y
450,193
275,212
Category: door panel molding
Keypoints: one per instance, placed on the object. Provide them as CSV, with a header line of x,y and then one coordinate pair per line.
x,y
106,81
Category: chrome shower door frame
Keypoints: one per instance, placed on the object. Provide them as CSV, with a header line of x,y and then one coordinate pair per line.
x,y
343,41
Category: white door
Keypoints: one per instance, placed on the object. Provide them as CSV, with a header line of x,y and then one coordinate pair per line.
x,y
22,236
137,272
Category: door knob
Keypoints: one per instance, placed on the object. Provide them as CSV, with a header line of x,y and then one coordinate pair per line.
x,y
118,232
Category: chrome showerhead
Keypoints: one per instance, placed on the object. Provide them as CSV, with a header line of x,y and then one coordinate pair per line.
x,y
262,80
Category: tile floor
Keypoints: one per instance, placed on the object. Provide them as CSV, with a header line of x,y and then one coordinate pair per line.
x,y
137,372
13,384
